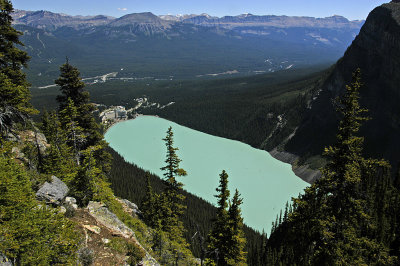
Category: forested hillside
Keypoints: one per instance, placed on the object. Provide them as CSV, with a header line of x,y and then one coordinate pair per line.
x,y
349,216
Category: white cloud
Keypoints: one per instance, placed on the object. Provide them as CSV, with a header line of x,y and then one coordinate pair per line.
x,y
122,9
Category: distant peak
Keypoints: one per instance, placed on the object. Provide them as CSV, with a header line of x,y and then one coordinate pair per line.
x,y
245,15
205,15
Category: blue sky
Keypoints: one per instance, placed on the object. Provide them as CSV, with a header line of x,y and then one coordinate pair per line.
x,y
352,9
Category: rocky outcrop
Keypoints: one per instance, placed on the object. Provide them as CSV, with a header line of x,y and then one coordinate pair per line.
x,y
71,202
53,192
130,207
38,139
109,220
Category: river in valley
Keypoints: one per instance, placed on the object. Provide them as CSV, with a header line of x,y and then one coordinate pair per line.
x,y
265,183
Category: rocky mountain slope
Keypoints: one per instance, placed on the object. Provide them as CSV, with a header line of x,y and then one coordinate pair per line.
x,y
274,21
376,51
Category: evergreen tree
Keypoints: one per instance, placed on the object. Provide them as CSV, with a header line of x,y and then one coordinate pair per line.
x,y
173,198
31,234
12,58
90,183
74,133
218,239
60,159
149,210
77,121
237,241
336,221
14,91
72,87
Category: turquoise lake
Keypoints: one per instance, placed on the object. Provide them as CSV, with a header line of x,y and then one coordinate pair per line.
x,y
265,183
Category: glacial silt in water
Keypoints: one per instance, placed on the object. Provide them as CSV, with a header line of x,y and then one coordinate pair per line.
x,y
265,183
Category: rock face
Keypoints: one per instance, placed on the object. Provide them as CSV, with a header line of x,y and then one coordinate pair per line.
x,y
53,192
376,51
130,207
109,220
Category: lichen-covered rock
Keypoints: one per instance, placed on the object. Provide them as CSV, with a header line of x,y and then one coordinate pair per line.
x,y
41,142
62,210
71,202
109,220
4,261
53,192
148,261
130,207
18,154
13,138
92,228
38,139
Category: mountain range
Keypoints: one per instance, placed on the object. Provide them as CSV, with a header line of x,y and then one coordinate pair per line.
x,y
186,46
46,19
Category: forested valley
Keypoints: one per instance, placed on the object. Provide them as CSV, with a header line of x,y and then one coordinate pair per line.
x,y
349,216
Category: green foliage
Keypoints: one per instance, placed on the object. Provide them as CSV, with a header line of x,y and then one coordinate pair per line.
x,y
128,248
86,256
128,181
14,91
72,89
12,57
149,202
31,234
226,240
171,207
90,182
342,219
71,86
237,242
135,253
73,132
77,153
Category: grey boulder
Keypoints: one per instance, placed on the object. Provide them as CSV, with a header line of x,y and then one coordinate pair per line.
x,y
53,192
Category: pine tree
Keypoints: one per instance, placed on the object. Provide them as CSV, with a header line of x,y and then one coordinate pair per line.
x,y
173,197
90,183
12,58
74,133
72,87
149,210
218,239
336,220
14,91
237,241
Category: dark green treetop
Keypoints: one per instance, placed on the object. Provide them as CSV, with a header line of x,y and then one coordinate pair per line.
x,y
71,86
14,92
